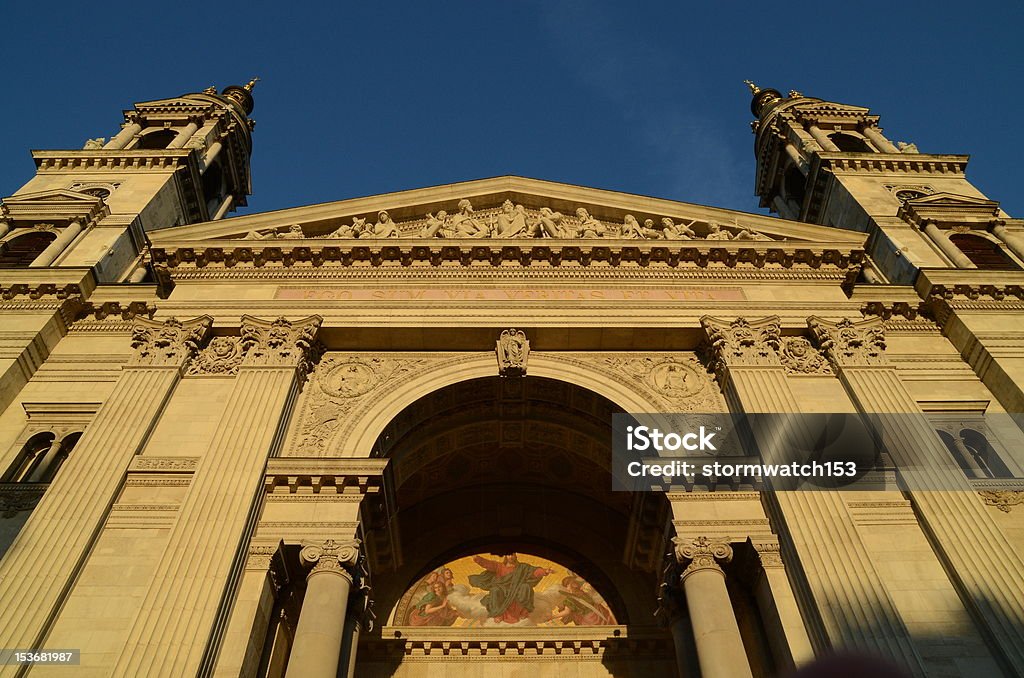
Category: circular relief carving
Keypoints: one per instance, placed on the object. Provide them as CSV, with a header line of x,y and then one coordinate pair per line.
x,y
349,380
905,194
675,380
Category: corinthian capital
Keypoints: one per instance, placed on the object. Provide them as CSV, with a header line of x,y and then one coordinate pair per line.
x,y
331,556
850,344
279,343
702,553
743,342
170,343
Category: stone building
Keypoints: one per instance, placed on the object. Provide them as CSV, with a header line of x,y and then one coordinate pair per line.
x,y
372,437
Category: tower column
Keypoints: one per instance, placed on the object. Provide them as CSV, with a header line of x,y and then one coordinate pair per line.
x,y
211,154
316,652
54,249
229,200
942,241
66,521
795,156
842,583
822,138
881,143
984,567
1013,242
720,651
123,137
40,472
184,135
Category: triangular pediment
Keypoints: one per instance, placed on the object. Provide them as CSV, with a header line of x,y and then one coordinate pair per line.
x,y
950,208
536,209
55,204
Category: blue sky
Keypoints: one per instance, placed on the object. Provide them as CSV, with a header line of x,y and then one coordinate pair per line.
x,y
364,98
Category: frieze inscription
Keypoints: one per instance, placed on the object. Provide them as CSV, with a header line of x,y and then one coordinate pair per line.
x,y
338,293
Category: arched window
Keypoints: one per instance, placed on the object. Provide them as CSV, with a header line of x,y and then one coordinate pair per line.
x,y
984,253
984,455
21,251
40,458
848,143
156,140
213,187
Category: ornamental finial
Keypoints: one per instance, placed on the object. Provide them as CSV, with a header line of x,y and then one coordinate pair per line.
x,y
754,89
252,83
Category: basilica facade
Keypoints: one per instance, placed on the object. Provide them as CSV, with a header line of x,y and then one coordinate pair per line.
x,y
372,437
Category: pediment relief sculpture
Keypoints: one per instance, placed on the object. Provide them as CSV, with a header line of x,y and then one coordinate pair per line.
x,y
515,221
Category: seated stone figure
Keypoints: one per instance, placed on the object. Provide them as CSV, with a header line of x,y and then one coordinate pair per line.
x,y
436,226
465,225
385,226
347,231
550,224
716,232
674,231
589,226
511,222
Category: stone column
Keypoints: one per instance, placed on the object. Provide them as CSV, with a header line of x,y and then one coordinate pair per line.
x,y
939,237
54,542
881,143
229,200
854,608
184,135
316,652
211,154
720,650
795,156
124,137
983,566
1015,243
39,475
778,607
822,138
183,606
54,249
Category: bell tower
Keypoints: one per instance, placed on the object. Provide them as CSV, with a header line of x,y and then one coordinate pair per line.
x,y
174,161
829,163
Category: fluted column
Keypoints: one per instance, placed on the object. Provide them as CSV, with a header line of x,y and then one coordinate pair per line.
x,y
55,540
854,607
182,606
778,607
124,137
54,249
1015,243
942,241
986,570
316,652
822,138
881,143
720,651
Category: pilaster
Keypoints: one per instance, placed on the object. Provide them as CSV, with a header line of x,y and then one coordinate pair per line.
x,y
32,580
187,603
841,582
981,563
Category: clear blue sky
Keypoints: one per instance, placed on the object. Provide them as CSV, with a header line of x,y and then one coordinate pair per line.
x,y
364,98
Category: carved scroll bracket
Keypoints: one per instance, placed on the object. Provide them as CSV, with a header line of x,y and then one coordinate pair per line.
x,y
702,553
335,556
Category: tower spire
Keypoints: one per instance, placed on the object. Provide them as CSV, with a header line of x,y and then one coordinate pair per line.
x,y
754,89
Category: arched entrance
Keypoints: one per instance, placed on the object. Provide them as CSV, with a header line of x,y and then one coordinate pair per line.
x,y
493,472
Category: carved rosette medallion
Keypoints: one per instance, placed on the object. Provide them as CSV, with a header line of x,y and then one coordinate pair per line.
x,y
170,343
799,356
221,356
338,557
675,380
349,379
513,348
279,343
851,344
1004,500
744,343
702,553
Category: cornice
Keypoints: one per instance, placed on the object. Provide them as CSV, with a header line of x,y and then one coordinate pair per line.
x,y
93,160
893,163
973,289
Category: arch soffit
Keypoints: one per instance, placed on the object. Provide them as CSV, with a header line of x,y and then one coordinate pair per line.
x,y
374,421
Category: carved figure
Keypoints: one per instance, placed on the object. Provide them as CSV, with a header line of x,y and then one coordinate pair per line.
x,y
511,222
589,226
650,231
385,226
465,224
346,231
907,147
513,349
674,231
716,232
436,226
294,232
748,234
259,235
550,223
631,228
94,144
